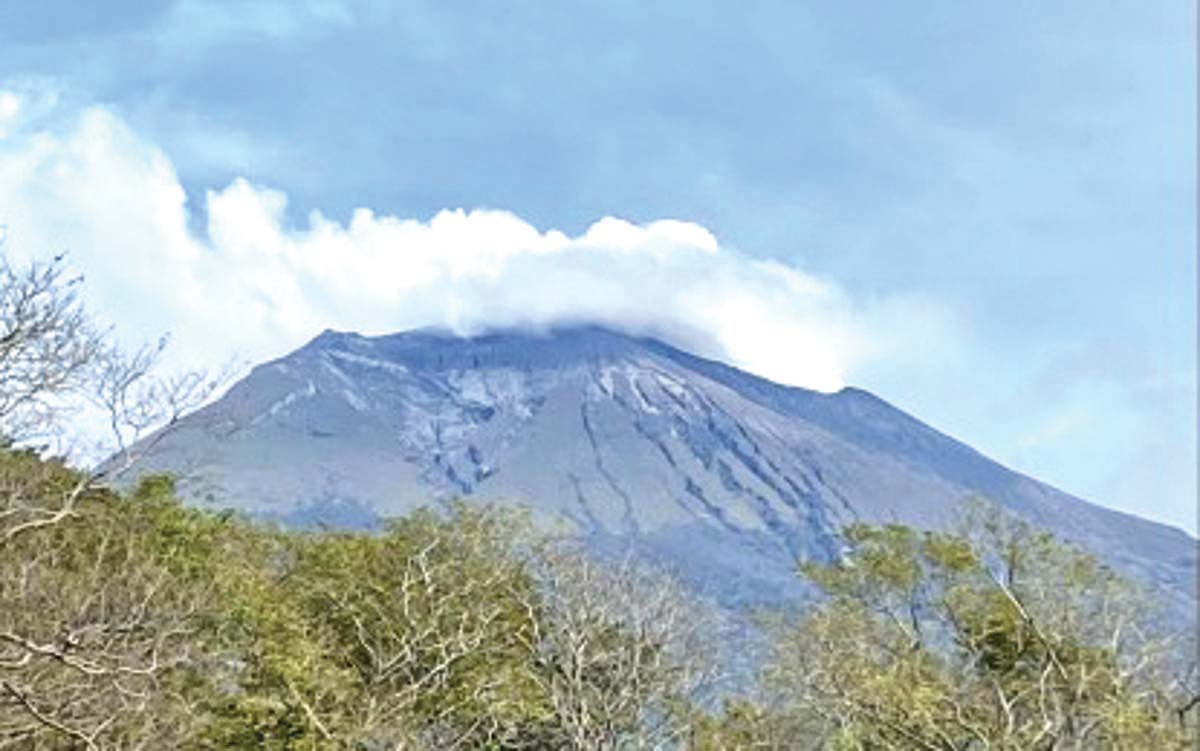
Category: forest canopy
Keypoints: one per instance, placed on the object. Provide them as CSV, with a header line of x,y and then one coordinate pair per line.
x,y
136,622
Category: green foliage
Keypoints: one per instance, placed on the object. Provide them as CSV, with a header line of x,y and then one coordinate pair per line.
x,y
99,611
741,726
997,636
131,621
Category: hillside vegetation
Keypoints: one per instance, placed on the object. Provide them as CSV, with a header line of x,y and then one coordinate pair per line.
x,y
133,622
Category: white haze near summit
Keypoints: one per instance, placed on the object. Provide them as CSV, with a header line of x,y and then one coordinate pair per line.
x,y
244,283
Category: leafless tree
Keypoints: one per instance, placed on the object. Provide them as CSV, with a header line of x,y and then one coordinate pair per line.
x,y
47,345
624,651
55,364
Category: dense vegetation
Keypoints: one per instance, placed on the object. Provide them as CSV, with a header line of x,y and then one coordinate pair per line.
x,y
134,622
997,636
128,621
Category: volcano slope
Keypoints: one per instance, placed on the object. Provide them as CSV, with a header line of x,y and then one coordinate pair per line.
x,y
726,477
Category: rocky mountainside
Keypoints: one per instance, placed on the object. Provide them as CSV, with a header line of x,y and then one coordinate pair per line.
x,y
727,477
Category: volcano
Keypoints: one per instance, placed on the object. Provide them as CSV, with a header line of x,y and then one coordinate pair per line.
x,y
728,478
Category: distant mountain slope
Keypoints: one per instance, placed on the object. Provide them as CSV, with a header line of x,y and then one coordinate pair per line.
x,y
727,476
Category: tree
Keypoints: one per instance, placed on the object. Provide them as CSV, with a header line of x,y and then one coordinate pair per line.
x,y
93,617
47,344
423,627
995,637
463,630
134,622
101,615
622,652
55,362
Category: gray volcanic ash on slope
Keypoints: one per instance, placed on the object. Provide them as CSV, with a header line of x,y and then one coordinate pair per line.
x,y
727,477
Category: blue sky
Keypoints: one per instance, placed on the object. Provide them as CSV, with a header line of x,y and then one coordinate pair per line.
x,y
983,213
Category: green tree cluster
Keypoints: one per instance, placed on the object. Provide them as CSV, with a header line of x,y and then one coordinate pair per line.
x,y
133,622
996,636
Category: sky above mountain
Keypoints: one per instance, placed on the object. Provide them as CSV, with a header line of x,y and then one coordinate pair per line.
x,y
983,214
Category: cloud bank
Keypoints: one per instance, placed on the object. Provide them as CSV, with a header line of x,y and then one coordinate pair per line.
x,y
251,284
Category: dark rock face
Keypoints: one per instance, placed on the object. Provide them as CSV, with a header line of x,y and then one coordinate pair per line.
x,y
727,477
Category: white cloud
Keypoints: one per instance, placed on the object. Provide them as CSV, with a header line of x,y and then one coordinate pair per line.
x,y
256,286
10,107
